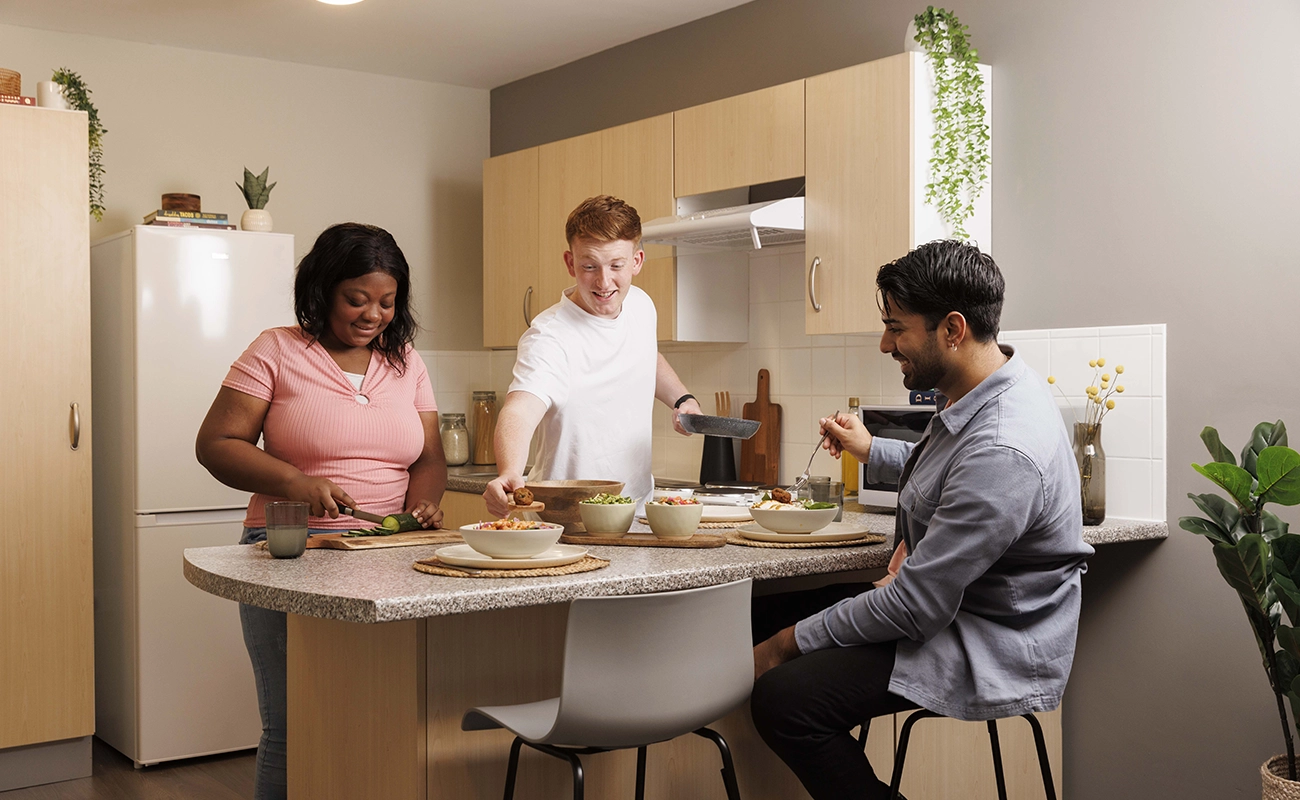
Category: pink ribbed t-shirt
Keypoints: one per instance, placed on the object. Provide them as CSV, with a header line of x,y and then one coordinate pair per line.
x,y
320,423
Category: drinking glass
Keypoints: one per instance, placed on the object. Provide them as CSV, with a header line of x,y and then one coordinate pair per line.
x,y
286,528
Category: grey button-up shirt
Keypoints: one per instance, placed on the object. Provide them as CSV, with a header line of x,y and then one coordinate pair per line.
x,y
986,607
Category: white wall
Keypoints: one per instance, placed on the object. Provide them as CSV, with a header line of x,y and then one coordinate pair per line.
x,y
343,146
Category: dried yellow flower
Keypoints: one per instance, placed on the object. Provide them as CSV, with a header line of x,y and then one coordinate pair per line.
x,y
1092,363
1119,389
1110,404
1051,379
1101,362
1119,370
1092,390
1105,376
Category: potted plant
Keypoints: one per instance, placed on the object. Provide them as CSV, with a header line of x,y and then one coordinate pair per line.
x,y
256,193
1260,559
959,164
77,95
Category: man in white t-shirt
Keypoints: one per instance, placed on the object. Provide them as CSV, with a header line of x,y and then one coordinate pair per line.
x,y
589,369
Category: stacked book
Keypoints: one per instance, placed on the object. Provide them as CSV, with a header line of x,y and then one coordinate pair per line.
x,y
17,100
188,219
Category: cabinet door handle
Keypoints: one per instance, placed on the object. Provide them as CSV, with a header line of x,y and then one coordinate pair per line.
x,y
528,295
74,425
812,283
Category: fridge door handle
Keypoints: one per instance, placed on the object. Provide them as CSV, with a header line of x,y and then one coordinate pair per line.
x,y
74,425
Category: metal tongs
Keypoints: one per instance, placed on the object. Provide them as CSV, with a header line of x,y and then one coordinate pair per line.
x,y
802,481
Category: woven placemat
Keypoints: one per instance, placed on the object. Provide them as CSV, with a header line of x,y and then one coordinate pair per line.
x,y
867,538
645,540
588,563
718,526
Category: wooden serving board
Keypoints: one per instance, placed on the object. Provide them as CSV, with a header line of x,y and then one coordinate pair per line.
x,y
760,454
644,540
337,541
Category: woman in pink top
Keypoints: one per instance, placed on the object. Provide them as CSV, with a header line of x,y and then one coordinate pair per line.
x,y
347,417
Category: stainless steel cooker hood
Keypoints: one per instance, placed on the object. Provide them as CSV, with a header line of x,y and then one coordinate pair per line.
x,y
747,227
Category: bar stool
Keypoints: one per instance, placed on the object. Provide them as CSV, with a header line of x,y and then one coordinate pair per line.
x,y
916,716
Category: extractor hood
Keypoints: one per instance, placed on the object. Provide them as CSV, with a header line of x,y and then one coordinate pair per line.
x,y
747,227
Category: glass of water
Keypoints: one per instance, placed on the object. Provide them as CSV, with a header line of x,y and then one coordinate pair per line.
x,y
286,528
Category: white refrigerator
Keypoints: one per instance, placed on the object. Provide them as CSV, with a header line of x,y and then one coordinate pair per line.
x,y
171,309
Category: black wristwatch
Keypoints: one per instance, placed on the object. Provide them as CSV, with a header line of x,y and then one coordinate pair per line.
x,y
681,400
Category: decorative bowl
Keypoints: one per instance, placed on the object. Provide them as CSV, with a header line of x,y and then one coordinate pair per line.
x,y
672,521
607,519
793,520
512,544
562,497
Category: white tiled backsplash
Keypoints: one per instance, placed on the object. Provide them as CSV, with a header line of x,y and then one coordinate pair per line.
x,y
813,376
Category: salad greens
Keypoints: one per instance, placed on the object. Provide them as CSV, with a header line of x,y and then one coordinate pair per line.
x,y
806,505
606,499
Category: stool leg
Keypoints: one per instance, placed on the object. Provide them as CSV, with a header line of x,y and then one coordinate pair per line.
x,y
728,767
997,759
640,773
862,733
1049,786
564,755
901,755
513,768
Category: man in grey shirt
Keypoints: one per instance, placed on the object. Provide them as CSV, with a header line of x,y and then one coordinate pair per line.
x,y
980,617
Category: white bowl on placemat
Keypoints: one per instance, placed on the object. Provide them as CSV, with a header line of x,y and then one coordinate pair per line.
x,y
607,519
462,555
512,544
673,521
793,520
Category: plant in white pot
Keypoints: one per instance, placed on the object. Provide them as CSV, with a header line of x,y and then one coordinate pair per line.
x,y
256,193
1260,559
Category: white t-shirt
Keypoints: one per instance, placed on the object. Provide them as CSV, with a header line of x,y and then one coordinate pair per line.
x,y
597,379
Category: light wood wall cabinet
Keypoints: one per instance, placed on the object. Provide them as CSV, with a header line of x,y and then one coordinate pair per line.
x,y
47,629
740,141
510,275
868,151
568,172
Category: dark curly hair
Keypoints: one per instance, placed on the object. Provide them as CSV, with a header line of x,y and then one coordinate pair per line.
x,y
350,250
943,276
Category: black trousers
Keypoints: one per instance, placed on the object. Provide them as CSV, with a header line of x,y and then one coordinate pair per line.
x,y
805,708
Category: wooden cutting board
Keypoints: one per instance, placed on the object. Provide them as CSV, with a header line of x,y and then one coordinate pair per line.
x,y
760,454
337,541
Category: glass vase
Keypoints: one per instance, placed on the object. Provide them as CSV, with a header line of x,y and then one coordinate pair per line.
x,y
1091,458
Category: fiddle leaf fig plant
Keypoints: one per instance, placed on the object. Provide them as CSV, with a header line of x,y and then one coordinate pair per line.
x,y
255,190
1255,552
77,94
959,163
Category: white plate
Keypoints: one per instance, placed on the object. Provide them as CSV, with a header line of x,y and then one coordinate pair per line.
x,y
725,514
462,555
834,532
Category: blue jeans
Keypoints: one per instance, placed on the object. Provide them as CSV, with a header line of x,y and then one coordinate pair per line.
x,y
266,640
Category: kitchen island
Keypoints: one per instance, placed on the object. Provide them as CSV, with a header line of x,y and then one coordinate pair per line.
x,y
384,660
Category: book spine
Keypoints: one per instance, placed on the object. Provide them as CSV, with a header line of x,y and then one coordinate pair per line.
x,y
17,100
192,215
180,223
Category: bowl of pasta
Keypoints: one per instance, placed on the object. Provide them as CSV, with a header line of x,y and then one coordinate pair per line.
x,y
511,538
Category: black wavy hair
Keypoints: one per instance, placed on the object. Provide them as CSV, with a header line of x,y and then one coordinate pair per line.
x,y
350,250
943,276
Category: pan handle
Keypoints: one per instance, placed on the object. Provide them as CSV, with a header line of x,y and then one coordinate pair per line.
x,y
812,283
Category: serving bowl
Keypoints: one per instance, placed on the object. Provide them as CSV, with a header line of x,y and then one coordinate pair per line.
x,y
512,544
793,520
562,497
613,519
673,521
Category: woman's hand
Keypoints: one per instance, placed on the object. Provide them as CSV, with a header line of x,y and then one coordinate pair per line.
x,y
323,495
427,513
846,433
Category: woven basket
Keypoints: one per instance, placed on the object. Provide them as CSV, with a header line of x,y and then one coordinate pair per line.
x,y
10,82
1276,786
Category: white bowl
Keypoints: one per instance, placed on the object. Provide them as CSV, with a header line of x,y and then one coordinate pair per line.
x,y
673,522
660,494
793,520
512,544
607,519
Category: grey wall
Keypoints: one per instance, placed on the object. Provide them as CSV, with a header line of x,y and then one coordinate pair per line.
x,y
1144,172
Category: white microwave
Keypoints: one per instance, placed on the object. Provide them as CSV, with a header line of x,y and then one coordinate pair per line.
x,y
889,422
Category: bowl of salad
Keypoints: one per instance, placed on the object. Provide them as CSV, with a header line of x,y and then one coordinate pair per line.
x,y
674,517
511,538
607,514
796,516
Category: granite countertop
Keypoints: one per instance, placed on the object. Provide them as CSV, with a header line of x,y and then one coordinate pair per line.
x,y
381,586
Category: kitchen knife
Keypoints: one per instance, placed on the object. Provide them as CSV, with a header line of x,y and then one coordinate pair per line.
x,y
365,516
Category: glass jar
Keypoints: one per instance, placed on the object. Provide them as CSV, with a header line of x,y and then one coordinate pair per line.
x,y
1092,471
455,439
484,413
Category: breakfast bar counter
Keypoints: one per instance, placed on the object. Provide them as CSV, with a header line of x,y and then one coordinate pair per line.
x,y
374,709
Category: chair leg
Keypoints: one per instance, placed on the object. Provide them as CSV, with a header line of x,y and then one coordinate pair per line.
x,y
997,759
575,764
862,733
901,755
1049,786
640,773
513,769
728,767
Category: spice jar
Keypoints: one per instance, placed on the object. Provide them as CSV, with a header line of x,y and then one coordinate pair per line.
x,y
455,439
485,425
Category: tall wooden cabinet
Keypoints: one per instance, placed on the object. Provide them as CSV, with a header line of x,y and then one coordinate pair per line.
x,y
47,630
510,290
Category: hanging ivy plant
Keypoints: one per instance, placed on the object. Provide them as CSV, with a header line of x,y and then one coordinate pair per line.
x,y
78,96
959,163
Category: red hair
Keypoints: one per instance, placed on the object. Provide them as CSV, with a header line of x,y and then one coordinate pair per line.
x,y
604,219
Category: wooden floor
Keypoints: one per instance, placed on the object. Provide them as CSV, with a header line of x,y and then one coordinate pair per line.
x,y
227,777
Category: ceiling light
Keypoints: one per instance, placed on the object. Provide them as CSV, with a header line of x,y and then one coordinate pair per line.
x,y
339,2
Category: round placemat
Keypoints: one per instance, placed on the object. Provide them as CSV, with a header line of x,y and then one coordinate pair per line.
x,y
867,538
435,567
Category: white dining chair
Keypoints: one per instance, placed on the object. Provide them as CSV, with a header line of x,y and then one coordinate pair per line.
x,y
638,669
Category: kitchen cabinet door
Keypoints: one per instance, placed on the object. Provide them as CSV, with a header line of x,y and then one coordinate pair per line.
x,y
740,141
47,631
568,172
510,275
857,213
637,166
